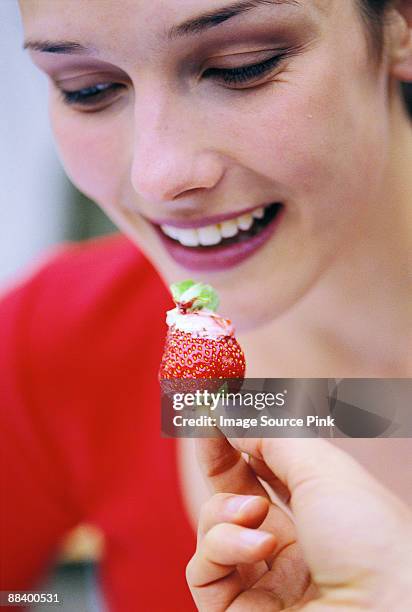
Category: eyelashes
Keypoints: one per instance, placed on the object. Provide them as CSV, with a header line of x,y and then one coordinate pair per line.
x,y
89,96
243,74
98,96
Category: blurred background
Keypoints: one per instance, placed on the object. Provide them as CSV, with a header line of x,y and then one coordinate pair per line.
x,y
39,209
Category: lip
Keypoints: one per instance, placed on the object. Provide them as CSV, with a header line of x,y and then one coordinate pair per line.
x,y
204,221
219,257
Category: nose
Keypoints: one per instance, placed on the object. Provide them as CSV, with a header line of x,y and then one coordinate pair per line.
x,y
171,159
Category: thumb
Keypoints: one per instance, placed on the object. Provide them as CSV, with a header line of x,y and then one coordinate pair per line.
x,y
344,517
298,461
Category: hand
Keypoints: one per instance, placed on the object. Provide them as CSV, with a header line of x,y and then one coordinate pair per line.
x,y
350,548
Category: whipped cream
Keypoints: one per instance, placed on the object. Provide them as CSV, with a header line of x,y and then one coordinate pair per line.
x,y
201,323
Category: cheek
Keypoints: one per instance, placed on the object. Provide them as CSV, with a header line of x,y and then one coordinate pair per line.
x,y
93,149
323,143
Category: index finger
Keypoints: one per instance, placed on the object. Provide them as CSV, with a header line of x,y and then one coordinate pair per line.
x,y
225,469
228,472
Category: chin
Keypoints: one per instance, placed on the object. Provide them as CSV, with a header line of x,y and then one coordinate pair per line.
x,y
260,302
250,314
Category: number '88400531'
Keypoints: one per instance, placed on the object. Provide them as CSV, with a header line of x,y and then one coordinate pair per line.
x,y
24,598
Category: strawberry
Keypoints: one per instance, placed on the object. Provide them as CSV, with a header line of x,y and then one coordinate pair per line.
x,y
200,344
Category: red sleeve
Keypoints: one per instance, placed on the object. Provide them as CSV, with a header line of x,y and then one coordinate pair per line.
x,y
80,346
35,509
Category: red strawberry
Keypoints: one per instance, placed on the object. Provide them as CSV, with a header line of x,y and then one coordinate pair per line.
x,y
200,344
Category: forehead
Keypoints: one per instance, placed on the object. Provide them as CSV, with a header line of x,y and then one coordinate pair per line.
x,y
117,18
133,34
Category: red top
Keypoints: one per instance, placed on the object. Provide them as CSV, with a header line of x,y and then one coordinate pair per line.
x,y
80,347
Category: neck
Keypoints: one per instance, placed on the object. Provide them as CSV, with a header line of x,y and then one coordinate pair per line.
x,y
357,320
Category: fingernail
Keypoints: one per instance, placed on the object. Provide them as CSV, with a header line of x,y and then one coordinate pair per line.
x,y
254,537
238,503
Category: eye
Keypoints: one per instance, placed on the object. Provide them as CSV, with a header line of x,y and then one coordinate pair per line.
x,y
94,98
244,74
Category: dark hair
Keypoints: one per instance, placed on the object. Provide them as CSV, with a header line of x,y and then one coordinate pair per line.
x,y
373,13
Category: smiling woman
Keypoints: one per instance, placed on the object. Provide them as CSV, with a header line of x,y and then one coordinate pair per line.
x,y
262,145
250,65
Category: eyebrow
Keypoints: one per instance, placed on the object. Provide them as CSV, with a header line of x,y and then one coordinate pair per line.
x,y
214,18
48,46
192,26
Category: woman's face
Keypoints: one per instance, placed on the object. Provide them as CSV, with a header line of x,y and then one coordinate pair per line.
x,y
158,120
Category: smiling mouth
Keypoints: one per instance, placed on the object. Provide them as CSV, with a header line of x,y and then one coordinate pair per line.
x,y
227,233
226,244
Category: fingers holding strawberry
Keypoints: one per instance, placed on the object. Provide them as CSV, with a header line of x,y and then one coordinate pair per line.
x,y
247,548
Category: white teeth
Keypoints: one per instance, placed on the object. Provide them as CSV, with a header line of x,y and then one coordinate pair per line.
x,y
188,237
170,231
228,229
245,222
259,213
213,234
209,235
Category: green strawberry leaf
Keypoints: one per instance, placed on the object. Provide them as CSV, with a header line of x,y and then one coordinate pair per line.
x,y
194,296
178,289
